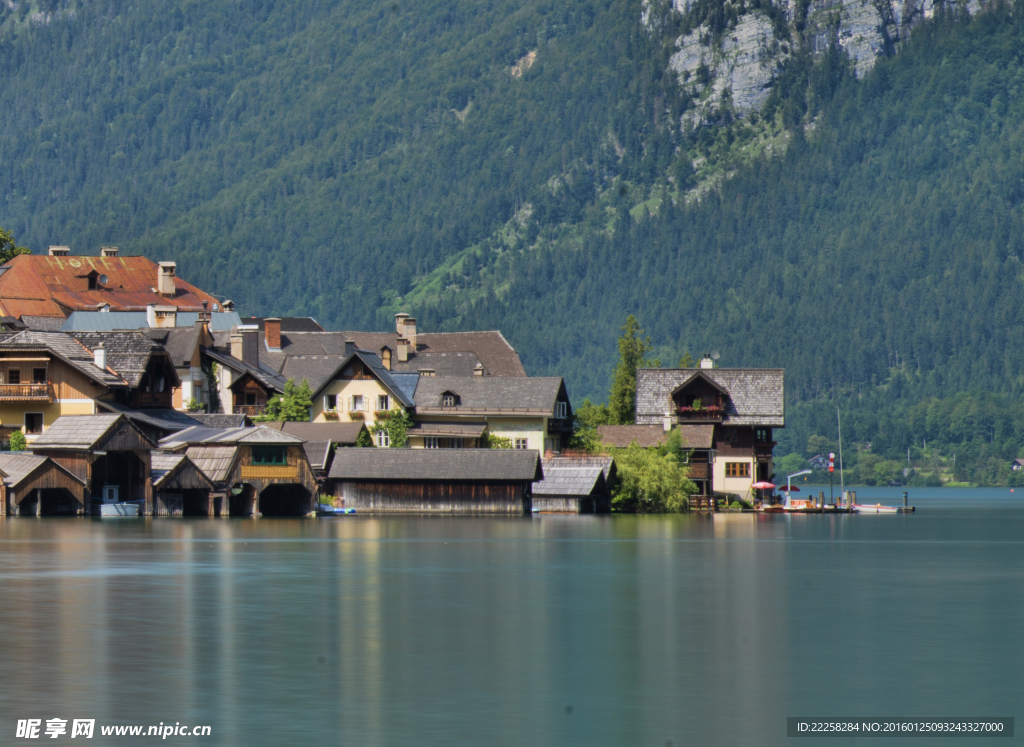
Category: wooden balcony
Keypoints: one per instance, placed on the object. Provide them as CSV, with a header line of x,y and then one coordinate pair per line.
x,y
560,425
151,399
703,415
249,410
37,392
764,450
699,470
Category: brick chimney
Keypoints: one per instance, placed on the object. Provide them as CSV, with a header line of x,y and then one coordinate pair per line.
x,y
59,251
400,323
165,278
272,333
108,251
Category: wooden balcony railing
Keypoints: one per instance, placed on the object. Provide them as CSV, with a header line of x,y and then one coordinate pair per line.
x,y
151,399
704,414
764,450
249,409
37,391
560,425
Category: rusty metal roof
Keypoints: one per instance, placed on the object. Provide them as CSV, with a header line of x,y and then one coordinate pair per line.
x,y
42,285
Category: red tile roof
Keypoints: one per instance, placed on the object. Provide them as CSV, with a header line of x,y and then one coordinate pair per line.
x,y
44,285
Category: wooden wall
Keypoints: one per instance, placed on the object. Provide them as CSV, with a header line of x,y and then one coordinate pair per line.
x,y
447,497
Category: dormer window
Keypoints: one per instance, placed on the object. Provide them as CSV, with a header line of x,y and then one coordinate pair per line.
x,y
561,410
449,399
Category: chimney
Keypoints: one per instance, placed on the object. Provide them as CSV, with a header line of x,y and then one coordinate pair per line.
x,y
706,362
478,369
236,345
59,251
105,307
272,333
410,334
350,347
99,357
108,251
403,350
228,305
165,278
151,315
385,357
400,323
166,317
250,344
666,422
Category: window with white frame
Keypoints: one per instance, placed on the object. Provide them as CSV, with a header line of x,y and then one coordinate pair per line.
x,y
383,438
448,400
431,442
383,402
331,402
522,443
561,409
356,403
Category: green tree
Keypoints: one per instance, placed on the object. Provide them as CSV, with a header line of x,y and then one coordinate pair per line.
x,y
633,349
294,404
650,482
490,441
686,361
18,441
8,249
585,420
364,438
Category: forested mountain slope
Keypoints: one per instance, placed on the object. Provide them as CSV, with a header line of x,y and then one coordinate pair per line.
x,y
548,169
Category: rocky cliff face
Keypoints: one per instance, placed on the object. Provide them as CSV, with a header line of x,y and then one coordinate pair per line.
x,y
731,70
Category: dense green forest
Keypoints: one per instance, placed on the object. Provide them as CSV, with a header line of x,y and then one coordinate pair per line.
x,y
521,166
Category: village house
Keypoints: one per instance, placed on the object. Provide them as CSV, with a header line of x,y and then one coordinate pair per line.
x,y
575,485
256,471
36,288
742,406
455,412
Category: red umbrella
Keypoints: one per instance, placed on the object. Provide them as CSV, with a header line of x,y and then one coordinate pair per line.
x,y
763,485
793,489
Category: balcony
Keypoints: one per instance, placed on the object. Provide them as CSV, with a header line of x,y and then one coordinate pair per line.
x,y
249,410
151,399
37,392
710,414
560,425
764,450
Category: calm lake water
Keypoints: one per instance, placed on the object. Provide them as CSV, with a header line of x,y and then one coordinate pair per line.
x,y
554,630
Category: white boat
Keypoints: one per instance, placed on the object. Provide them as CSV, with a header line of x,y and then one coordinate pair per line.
x,y
120,509
878,508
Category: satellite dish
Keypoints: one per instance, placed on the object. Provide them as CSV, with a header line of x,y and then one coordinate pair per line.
x,y
102,279
715,355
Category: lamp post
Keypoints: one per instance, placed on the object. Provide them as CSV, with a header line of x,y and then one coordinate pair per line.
x,y
789,479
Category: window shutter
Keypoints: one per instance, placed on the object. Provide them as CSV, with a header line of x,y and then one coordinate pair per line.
x,y
351,402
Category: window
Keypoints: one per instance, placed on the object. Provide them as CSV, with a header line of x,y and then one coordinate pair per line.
x,y
14,376
552,444
33,422
454,443
561,409
430,442
731,436
250,399
356,403
763,435
267,455
383,438
330,401
448,400
737,469
383,402
38,375
521,443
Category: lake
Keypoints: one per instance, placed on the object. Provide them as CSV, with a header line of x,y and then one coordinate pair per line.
x,y
550,630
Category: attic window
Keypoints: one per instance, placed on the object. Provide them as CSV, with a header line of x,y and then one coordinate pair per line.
x,y
449,399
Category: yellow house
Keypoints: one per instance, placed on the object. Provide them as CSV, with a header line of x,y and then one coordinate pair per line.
x,y
357,387
455,412
44,375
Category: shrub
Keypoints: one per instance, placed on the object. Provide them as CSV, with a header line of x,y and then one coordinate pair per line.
x,y
18,442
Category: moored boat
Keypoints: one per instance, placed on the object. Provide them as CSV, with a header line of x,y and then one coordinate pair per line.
x,y
878,508
120,509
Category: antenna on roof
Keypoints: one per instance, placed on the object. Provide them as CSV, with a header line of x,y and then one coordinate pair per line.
x,y
715,355
102,279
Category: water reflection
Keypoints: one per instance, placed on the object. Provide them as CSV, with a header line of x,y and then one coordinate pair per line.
x,y
555,630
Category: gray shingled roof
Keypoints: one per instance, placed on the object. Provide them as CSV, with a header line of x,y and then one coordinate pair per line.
x,y
213,461
605,463
569,480
621,436
422,465
44,323
160,417
757,396
128,353
166,465
489,394
180,344
76,431
66,349
17,466
203,435
317,453
320,371
220,420
339,433
262,374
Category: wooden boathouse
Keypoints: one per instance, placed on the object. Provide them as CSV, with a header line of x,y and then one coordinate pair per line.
x,y
179,487
38,486
108,452
575,485
496,481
